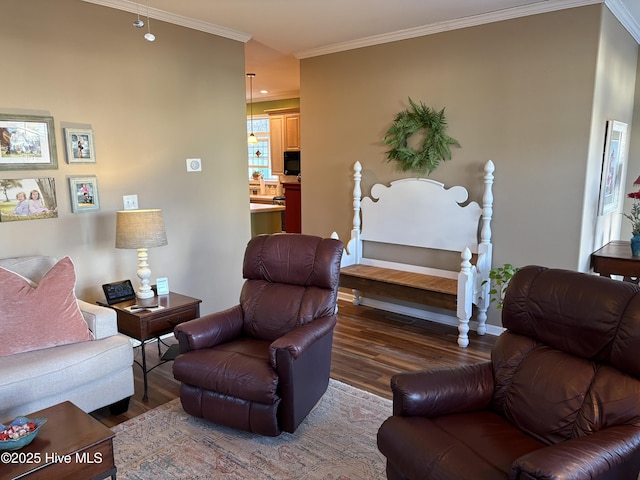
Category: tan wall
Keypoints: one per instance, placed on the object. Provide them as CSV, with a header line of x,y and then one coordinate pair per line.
x,y
519,92
151,106
523,93
613,99
633,166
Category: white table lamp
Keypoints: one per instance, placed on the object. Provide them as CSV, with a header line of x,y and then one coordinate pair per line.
x,y
141,229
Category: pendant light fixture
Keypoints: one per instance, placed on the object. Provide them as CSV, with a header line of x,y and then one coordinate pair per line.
x,y
251,138
138,23
149,37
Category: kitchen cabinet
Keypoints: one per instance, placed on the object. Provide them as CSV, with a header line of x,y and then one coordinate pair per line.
x,y
276,133
292,132
284,128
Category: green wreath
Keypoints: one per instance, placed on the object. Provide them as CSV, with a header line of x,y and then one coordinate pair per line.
x,y
435,146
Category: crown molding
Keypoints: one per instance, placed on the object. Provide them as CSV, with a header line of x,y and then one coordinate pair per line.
x,y
625,18
615,6
472,21
168,17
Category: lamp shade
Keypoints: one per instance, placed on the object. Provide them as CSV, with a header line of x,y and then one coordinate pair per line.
x,y
140,229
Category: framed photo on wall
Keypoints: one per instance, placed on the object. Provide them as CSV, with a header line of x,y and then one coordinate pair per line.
x,y
27,199
611,180
80,145
27,142
84,193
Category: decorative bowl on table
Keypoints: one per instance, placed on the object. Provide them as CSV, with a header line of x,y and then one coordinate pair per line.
x,y
20,432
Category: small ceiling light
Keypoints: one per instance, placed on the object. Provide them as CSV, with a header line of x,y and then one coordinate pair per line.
x,y
263,91
150,37
252,138
138,23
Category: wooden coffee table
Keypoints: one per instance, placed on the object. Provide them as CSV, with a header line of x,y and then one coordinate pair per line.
x,y
71,445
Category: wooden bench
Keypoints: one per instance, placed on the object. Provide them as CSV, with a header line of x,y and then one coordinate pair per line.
x,y
419,212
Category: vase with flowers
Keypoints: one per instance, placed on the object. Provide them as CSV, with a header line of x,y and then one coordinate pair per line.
x,y
634,218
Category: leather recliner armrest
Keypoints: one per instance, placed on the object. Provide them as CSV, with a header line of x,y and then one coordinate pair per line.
x,y
583,457
441,391
299,339
210,330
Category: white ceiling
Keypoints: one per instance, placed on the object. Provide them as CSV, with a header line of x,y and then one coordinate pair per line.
x,y
280,32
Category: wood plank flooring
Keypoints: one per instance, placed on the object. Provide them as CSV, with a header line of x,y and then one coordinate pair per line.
x,y
369,346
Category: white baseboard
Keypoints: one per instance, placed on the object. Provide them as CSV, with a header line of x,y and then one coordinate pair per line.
x,y
445,319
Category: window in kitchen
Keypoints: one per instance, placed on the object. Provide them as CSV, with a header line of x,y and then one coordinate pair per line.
x,y
259,153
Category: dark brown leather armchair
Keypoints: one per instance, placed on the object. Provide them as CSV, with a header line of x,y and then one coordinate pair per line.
x,y
560,398
262,365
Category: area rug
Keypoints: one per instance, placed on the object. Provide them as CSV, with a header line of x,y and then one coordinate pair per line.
x,y
337,441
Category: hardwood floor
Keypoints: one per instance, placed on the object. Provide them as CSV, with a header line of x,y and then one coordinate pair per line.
x,y
369,346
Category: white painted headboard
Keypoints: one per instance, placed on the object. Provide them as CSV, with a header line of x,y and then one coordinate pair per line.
x,y
420,212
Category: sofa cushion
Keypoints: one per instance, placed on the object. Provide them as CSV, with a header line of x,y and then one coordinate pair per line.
x,y
246,374
41,317
30,376
479,445
33,268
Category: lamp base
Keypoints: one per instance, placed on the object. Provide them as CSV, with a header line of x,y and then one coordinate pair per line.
x,y
144,272
142,295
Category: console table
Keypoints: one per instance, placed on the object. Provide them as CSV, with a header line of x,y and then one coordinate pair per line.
x,y
615,259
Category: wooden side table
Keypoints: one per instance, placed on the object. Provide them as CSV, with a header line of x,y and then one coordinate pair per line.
x,y
149,325
615,259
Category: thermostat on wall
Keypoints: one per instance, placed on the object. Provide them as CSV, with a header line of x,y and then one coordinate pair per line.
x,y
194,165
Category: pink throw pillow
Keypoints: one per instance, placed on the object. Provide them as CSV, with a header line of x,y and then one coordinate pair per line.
x,y
41,317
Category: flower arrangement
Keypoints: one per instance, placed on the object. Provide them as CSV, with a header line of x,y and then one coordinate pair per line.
x,y
634,217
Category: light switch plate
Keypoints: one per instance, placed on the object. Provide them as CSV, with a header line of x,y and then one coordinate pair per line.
x,y
130,202
194,165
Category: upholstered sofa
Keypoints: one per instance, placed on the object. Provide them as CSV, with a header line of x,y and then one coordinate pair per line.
x,y
92,374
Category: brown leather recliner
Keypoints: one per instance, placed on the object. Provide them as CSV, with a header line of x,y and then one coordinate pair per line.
x,y
262,365
560,398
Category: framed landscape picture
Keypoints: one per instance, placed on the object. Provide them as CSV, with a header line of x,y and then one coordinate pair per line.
x,y
84,194
27,142
27,199
80,145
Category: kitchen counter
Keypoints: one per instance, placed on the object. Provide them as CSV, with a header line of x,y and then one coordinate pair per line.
x,y
264,208
261,198
266,218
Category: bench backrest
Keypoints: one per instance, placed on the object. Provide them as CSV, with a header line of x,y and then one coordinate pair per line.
x,y
419,212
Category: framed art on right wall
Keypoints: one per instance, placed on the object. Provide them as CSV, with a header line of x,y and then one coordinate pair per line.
x,y
611,179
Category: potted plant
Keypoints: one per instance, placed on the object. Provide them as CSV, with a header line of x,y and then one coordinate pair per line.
x,y
257,174
499,278
634,218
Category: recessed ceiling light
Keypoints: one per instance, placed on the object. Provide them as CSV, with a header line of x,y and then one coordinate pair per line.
x,y
264,91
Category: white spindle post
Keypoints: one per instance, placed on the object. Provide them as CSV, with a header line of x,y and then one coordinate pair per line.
x,y
357,197
465,292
